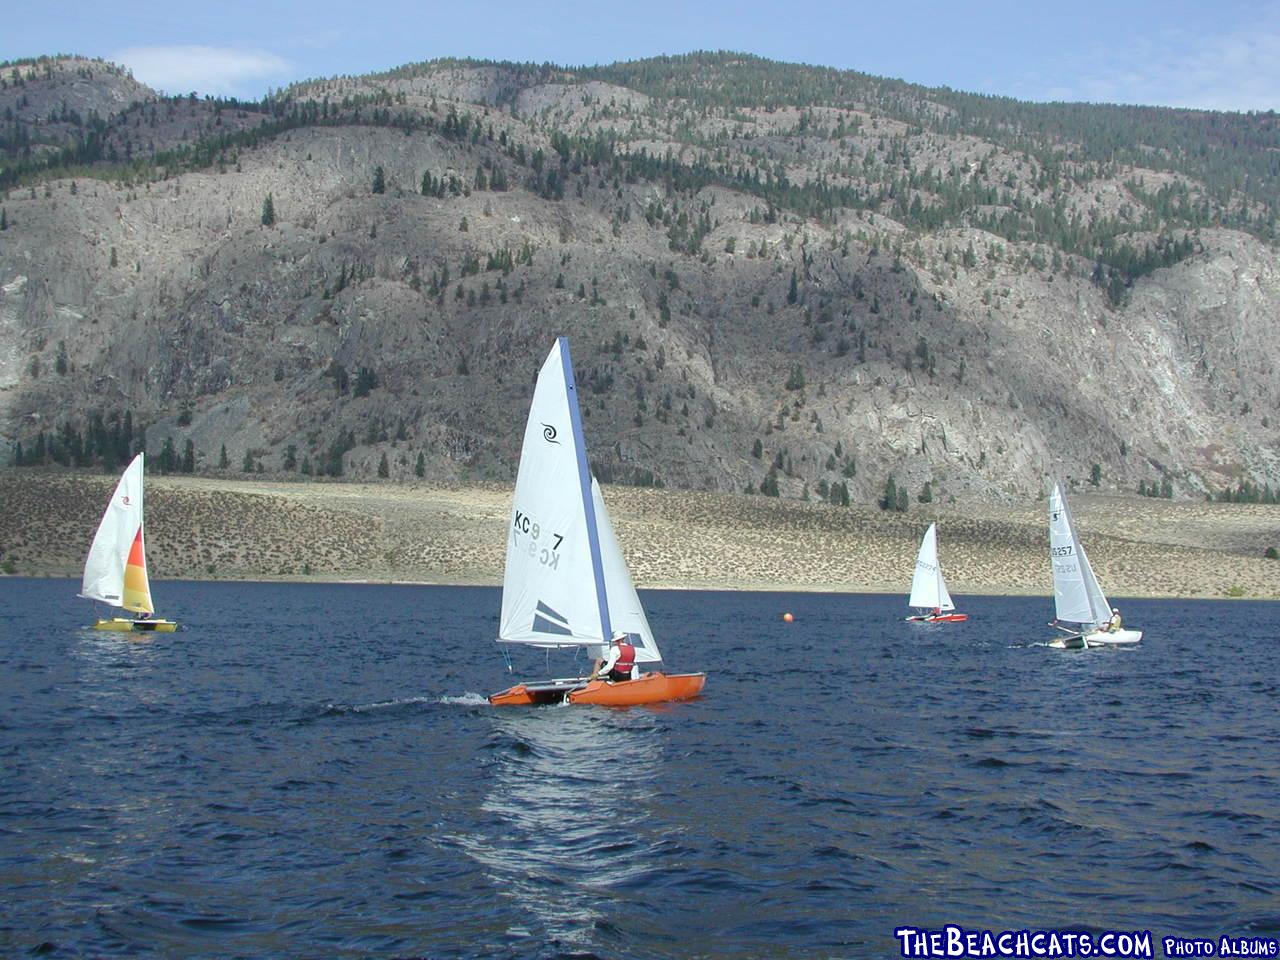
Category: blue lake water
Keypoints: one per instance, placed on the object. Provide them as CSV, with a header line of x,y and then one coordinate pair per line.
x,y
312,771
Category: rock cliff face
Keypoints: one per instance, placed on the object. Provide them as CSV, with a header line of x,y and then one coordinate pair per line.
x,y
756,293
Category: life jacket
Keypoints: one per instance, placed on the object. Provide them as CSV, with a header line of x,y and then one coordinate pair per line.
x,y
626,658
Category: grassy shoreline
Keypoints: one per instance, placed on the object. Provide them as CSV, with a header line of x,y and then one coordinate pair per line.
x,y
213,528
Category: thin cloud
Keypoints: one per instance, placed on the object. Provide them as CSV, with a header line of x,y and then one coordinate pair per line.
x,y
319,40
218,71
1232,71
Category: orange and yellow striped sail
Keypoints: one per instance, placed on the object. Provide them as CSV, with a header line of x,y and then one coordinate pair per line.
x,y
137,590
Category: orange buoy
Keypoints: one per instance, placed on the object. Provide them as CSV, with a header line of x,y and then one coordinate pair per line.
x,y
787,618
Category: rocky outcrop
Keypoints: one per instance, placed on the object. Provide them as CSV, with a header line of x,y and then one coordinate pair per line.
x,y
773,348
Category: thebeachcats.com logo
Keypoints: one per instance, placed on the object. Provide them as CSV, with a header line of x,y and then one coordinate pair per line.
x,y
953,941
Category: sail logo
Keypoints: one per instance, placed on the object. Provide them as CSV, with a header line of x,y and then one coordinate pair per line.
x,y
549,434
125,500
546,620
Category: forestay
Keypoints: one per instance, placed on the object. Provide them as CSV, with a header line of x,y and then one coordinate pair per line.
x,y
1077,596
553,588
115,571
928,588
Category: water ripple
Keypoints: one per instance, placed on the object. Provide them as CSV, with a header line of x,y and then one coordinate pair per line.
x,y
320,783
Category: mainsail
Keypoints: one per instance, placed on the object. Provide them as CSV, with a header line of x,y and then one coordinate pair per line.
x,y
1076,594
116,569
928,588
565,582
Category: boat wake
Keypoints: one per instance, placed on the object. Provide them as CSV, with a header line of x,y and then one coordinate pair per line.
x,y
389,704
468,699
341,709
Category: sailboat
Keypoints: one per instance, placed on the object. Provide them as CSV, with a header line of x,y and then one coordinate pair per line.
x,y
928,588
115,571
1077,597
566,584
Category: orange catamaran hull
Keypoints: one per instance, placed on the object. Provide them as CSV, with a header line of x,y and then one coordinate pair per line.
x,y
650,688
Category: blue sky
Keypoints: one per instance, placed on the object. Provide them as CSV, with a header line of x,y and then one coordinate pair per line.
x,y
1221,55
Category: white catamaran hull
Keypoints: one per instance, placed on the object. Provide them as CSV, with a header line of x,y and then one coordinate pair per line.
x,y
1098,638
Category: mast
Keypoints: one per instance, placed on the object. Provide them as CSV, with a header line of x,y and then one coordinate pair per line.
x,y
1092,591
115,570
1077,596
554,589
584,487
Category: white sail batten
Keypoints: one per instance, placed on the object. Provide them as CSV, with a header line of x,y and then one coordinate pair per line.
x,y
121,525
625,611
1077,596
928,587
553,588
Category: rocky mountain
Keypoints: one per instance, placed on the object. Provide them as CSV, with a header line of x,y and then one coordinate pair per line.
x,y
775,278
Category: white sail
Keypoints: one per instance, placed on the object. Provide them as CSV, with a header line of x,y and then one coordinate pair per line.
x,y
928,588
1076,594
625,611
553,589
119,534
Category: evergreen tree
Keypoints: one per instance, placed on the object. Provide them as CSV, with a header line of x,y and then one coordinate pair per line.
x,y
839,494
168,456
379,180
189,457
268,212
247,466
291,457
890,499
420,468
384,468
366,380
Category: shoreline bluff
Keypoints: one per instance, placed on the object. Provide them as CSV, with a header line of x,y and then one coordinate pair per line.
x,y
227,528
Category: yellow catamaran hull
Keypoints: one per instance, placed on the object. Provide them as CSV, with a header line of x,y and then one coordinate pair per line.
x,y
128,625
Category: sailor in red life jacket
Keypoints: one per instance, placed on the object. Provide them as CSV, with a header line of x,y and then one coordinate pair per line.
x,y
619,661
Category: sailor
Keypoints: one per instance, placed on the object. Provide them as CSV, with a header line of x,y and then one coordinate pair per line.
x,y
619,661
1114,623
